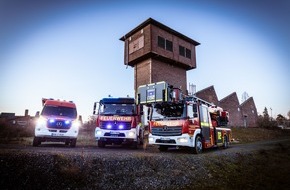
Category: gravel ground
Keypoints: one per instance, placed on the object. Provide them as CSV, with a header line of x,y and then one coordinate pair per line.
x,y
214,169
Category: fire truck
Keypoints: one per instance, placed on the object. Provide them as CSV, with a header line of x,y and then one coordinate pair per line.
x,y
57,122
117,122
178,120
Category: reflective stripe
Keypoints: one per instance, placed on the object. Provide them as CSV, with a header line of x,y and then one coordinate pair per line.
x,y
204,124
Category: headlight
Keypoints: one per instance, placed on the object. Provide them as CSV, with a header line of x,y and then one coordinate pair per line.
x,y
150,139
109,126
98,132
182,140
41,121
131,134
76,124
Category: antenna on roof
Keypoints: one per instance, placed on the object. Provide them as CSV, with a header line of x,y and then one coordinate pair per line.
x,y
191,89
245,96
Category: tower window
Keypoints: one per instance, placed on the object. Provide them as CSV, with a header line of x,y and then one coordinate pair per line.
x,y
161,42
188,53
168,45
185,52
182,51
165,44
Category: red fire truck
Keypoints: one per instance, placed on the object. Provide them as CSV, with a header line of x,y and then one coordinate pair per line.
x,y
118,122
178,120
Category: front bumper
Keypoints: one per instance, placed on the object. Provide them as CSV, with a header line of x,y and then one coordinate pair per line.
x,y
103,134
182,140
45,132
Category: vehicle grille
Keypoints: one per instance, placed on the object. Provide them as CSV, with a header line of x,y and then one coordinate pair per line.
x,y
59,124
115,125
166,141
114,135
167,131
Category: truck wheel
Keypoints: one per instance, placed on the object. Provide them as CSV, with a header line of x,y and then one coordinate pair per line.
x,y
101,144
73,143
36,141
198,145
163,148
226,142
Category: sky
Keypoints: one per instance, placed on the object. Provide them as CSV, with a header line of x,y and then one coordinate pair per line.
x,y
70,49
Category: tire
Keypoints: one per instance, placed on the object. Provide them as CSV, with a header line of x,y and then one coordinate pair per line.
x,y
163,148
36,141
73,143
101,144
226,142
198,145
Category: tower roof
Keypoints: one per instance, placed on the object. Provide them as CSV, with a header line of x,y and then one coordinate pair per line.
x,y
162,26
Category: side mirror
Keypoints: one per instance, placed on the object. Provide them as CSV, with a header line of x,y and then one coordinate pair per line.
x,y
80,118
95,106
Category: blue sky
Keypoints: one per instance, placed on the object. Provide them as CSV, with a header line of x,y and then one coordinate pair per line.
x,y
71,49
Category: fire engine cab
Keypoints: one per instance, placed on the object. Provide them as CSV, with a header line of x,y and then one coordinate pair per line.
x,y
57,122
117,122
178,120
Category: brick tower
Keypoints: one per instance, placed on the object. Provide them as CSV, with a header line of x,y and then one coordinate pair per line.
x,y
159,53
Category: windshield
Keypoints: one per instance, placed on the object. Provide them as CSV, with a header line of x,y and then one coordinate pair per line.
x,y
168,111
49,110
117,109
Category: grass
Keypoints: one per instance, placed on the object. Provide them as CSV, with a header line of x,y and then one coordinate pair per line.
x,y
260,170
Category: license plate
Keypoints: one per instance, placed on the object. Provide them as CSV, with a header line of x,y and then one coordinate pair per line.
x,y
56,134
165,139
114,133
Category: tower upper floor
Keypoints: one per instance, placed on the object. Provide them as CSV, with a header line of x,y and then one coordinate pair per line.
x,y
152,39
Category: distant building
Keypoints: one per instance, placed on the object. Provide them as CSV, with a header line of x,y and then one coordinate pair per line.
x,y
244,114
208,94
12,120
249,112
232,105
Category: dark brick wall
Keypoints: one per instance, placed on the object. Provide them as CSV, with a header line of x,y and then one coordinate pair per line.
x,y
231,104
237,111
173,75
174,55
137,55
151,70
249,112
148,47
208,94
142,74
